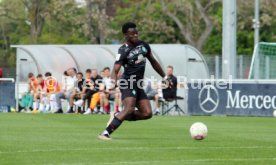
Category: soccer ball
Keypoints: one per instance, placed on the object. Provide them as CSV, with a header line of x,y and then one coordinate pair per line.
x,y
198,131
274,113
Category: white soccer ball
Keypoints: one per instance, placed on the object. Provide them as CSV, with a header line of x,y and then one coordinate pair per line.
x,y
274,113
198,131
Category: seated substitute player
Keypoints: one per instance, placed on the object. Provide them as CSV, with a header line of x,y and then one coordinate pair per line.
x,y
132,56
169,91
92,87
77,93
51,87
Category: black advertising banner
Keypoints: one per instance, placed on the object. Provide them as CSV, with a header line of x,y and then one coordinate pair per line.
x,y
235,99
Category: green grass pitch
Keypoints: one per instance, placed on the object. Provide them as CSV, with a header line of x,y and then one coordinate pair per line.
x,y
164,140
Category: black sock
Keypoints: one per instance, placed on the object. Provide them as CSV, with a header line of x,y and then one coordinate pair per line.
x,y
71,108
113,125
131,117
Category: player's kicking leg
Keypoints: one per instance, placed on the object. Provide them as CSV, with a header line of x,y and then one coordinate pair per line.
x,y
129,103
129,114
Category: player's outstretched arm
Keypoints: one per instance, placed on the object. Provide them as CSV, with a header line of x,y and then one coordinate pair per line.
x,y
156,66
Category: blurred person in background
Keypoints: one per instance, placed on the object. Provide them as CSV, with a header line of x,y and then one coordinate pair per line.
x,y
78,92
67,90
87,85
32,89
26,102
48,95
92,91
168,90
39,90
32,83
104,94
110,94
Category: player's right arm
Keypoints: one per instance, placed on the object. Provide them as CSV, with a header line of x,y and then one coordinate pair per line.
x,y
121,56
156,66
114,73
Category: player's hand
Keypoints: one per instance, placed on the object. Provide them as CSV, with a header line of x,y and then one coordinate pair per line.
x,y
113,85
165,82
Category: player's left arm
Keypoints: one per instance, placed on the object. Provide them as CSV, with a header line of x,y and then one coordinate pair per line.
x,y
155,64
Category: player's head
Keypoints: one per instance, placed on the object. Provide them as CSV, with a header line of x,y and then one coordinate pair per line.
x,y
130,32
170,70
71,72
106,72
79,76
39,78
30,75
94,73
48,74
88,73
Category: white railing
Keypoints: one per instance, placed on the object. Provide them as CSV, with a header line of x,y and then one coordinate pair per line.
x,y
7,79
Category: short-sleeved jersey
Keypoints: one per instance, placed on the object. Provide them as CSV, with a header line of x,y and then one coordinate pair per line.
x,y
79,85
133,59
96,82
51,85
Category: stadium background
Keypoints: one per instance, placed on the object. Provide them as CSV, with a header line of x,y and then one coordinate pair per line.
x,y
231,140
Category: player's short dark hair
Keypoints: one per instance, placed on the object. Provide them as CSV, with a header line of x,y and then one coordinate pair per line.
x,y
88,71
47,74
39,76
65,73
79,73
128,25
106,68
30,75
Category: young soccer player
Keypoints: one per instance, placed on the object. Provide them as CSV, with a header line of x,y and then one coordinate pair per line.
x,y
132,56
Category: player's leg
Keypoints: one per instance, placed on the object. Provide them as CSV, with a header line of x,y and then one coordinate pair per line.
x,y
88,94
129,103
157,104
36,102
59,96
144,110
93,103
128,112
71,102
106,103
118,102
102,96
52,100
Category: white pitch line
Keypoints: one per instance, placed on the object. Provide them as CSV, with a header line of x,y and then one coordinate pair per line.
x,y
136,148
195,160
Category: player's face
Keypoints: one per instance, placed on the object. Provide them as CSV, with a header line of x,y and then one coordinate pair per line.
x,y
70,72
87,75
169,71
94,73
106,73
79,76
32,78
132,35
39,79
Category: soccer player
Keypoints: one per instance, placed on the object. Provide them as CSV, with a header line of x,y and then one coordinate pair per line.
x,y
132,56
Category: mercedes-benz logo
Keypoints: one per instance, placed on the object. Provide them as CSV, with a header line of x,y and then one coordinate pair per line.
x,y
208,98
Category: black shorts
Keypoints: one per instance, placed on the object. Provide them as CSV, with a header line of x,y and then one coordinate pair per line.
x,y
133,91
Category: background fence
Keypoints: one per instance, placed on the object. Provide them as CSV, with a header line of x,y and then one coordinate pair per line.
x,y
9,72
242,66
